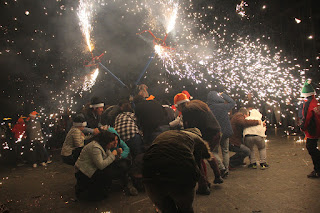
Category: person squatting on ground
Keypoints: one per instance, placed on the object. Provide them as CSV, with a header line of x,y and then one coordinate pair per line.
x,y
93,116
238,123
98,164
197,114
220,105
38,153
170,169
311,125
74,141
255,135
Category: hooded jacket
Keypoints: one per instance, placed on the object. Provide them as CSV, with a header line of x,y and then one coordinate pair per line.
x,y
220,110
311,118
255,130
121,144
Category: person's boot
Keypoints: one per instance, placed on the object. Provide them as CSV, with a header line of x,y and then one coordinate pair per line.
x,y
314,174
218,180
203,190
130,189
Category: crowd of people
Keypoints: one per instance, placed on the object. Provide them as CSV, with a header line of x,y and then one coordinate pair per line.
x,y
163,149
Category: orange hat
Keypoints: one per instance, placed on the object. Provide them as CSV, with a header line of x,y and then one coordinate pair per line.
x,y
179,99
187,94
151,97
33,114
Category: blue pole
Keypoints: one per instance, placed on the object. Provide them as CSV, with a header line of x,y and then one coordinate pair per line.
x,y
112,74
145,69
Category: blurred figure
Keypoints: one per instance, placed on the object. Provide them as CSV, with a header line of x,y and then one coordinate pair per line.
x,y
171,169
37,151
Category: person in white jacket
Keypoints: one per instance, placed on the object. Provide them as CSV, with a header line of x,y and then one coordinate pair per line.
x,y
94,172
255,135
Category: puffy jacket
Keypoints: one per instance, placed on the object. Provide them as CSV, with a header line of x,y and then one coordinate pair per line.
x,y
255,130
220,110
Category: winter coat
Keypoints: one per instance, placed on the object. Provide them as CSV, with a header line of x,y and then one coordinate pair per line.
x,y
121,144
19,130
255,130
92,158
311,118
220,110
238,123
34,130
171,158
74,139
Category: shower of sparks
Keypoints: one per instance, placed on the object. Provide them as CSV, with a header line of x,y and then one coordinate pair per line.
x,y
85,15
240,8
90,80
173,17
298,21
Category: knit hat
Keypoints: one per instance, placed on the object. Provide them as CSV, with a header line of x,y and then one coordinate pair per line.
x,y
79,121
96,103
187,94
179,99
307,89
33,114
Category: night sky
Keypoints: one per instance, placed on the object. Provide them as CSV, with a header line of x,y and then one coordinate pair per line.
x,y
43,50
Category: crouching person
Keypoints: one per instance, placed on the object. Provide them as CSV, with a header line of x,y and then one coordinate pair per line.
x,y
94,170
170,169
74,141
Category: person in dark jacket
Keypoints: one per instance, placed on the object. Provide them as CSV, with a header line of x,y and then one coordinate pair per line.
x,y
220,105
93,116
151,119
197,114
170,169
238,123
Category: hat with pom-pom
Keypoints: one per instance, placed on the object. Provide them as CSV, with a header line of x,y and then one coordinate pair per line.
x,y
307,89
180,98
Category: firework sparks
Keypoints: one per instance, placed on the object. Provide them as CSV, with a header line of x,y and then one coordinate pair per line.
x,y
85,16
90,80
240,8
173,17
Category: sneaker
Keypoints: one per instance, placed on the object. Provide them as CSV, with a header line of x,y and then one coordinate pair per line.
x,y
43,164
314,174
264,166
252,166
34,165
203,191
218,180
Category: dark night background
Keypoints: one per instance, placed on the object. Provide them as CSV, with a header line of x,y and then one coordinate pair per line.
x,y
44,50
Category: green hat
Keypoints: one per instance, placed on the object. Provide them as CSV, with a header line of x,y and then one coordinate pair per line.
x,y
307,89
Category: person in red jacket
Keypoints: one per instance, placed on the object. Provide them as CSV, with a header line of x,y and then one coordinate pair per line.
x,y
19,129
311,125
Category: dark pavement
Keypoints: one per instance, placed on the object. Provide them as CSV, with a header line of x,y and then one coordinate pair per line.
x,y
284,187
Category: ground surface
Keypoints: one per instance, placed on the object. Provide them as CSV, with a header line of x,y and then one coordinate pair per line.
x,y
283,187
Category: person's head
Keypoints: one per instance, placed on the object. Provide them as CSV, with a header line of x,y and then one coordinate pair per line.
x,y
79,122
244,111
107,139
33,115
179,100
96,105
20,121
125,105
187,94
138,99
191,109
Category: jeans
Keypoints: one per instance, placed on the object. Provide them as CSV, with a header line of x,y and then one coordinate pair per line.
x,y
241,152
171,198
136,145
250,141
314,153
224,144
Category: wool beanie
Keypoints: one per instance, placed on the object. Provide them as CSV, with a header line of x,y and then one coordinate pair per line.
x,y
307,89
179,99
